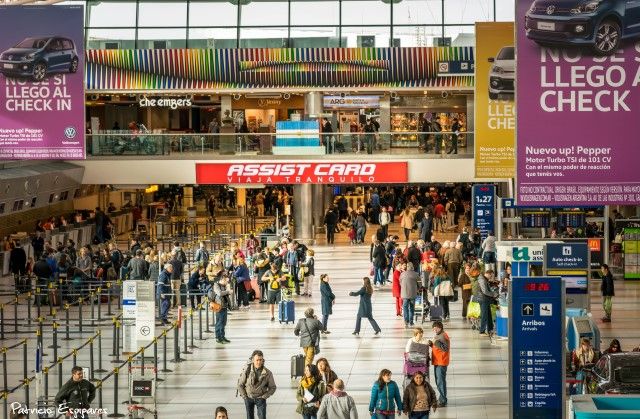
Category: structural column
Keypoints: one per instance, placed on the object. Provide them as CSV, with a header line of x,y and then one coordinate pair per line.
x,y
318,206
302,211
241,201
313,104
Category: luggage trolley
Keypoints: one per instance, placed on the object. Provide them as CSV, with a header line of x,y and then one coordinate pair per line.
x,y
421,307
142,392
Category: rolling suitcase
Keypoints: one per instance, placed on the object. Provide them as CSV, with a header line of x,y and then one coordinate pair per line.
x,y
297,366
286,309
436,311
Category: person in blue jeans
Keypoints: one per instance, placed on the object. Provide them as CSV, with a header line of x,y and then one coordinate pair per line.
x,y
256,385
378,257
164,292
485,296
385,399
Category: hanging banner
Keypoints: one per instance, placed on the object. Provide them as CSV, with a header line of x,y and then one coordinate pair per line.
x,y
286,173
41,82
577,103
495,106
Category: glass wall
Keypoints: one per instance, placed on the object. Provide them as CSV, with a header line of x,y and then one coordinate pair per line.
x,y
286,23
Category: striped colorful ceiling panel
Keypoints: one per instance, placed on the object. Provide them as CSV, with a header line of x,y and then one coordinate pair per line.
x,y
272,68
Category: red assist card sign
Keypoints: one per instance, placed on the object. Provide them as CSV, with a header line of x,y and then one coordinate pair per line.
x,y
300,173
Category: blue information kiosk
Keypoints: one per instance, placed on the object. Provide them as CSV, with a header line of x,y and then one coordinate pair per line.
x,y
536,348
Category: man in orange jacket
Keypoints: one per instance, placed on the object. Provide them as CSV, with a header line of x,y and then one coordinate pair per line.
x,y
440,350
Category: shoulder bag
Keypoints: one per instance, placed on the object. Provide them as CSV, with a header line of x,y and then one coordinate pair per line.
x,y
316,341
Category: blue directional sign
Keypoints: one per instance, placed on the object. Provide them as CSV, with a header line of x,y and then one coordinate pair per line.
x,y
567,256
484,208
536,356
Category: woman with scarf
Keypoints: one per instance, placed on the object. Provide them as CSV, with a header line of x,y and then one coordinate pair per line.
x,y
310,392
442,290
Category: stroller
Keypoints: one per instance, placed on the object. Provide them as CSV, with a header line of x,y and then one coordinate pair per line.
x,y
413,362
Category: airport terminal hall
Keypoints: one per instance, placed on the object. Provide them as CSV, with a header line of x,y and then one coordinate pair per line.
x,y
319,209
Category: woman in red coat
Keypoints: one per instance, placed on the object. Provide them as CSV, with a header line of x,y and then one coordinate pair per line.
x,y
395,287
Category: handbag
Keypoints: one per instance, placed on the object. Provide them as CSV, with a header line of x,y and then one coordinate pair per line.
x,y
466,286
371,270
247,285
215,307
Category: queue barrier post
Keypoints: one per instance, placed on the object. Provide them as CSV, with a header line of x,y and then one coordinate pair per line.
x,y
29,308
100,369
185,349
164,353
15,315
115,414
80,305
68,320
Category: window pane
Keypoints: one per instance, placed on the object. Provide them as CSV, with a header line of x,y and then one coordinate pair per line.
x,y
263,37
261,13
415,36
213,13
120,14
461,36
505,11
314,37
111,38
417,12
213,38
162,38
368,12
315,12
366,36
162,14
468,11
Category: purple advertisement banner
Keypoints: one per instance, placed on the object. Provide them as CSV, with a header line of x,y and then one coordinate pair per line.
x,y
41,82
578,102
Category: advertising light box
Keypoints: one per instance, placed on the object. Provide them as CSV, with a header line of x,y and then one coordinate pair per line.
x,y
577,102
41,82
495,105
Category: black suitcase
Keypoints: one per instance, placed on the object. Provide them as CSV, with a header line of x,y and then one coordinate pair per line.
x,y
297,366
183,294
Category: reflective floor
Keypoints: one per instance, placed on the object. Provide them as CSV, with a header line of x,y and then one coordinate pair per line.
x,y
477,377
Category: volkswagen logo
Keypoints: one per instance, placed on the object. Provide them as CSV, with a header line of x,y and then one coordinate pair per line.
x,y
70,132
551,9
10,57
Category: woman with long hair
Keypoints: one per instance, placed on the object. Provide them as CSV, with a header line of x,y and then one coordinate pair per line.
x,y
327,299
326,373
310,392
365,309
385,398
419,397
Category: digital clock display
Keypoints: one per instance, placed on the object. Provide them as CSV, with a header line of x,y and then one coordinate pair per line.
x,y
537,286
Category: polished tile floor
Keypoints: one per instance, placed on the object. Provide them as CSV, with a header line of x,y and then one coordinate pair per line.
x,y
477,378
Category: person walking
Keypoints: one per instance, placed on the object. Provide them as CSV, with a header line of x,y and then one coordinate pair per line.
x,y
440,356
419,397
384,220
442,290
330,221
426,227
308,329
485,297
365,309
464,282
256,385
275,281
452,261
308,266
202,256
338,404
396,288
164,292
76,394
407,222
378,258
221,296
408,292
327,299
310,392
489,251
607,290
385,398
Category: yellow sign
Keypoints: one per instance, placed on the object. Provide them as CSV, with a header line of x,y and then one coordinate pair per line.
x,y
495,111
151,189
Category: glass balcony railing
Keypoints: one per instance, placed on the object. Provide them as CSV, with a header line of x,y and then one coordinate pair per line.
x,y
197,146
